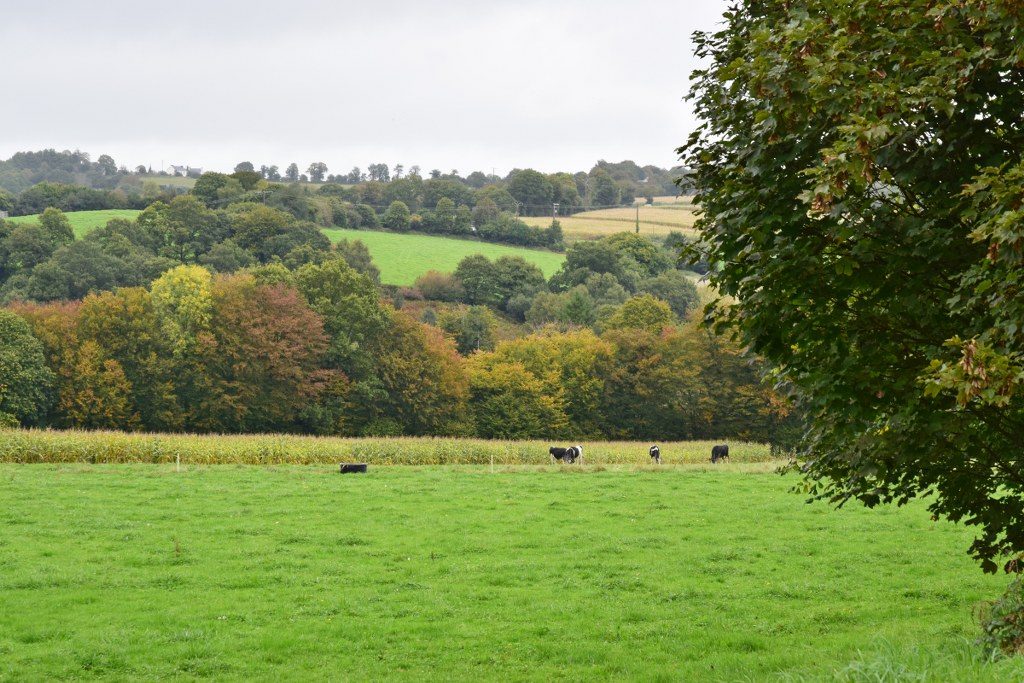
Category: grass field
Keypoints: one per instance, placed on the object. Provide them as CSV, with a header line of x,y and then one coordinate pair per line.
x,y
656,220
456,573
403,258
84,222
172,181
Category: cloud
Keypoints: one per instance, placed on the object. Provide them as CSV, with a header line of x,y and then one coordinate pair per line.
x,y
554,85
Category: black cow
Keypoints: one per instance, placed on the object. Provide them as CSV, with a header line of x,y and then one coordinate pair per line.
x,y
656,454
720,452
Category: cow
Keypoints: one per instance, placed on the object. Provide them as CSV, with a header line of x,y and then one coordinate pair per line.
x,y
655,454
557,453
569,455
720,452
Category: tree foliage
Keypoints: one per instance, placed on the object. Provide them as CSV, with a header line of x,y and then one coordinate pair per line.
x,y
859,171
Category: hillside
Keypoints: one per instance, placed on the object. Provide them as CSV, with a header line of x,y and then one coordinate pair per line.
x,y
404,257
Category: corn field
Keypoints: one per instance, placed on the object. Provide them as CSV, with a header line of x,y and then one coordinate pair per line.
x,y
50,446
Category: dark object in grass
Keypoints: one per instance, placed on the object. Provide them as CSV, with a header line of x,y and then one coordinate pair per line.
x,y
720,452
352,467
655,454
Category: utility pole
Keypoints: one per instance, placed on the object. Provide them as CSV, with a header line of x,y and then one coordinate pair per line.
x,y
554,212
638,219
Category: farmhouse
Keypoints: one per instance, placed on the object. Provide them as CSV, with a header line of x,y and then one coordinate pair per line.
x,y
185,170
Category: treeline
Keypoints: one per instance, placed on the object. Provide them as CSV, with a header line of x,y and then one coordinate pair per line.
x,y
315,350
439,207
624,280
42,261
603,185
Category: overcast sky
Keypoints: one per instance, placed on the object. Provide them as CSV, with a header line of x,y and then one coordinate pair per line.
x,y
446,84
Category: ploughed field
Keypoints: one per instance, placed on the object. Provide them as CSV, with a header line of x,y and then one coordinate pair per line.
x,y
684,572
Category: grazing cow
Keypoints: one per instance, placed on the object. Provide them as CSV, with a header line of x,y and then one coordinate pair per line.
x,y
656,454
569,455
720,452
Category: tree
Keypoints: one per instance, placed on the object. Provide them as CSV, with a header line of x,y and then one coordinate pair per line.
x,y
254,225
472,330
860,195
317,170
674,288
125,325
533,190
291,174
397,216
379,172
571,368
264,360
245,166
77,269
603,190
25,379
106,164
423,378
208,186
486,211
356,255
643,312
479,279
57,227
507,402
437,286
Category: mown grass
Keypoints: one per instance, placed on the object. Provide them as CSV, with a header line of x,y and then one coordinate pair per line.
x,y
456,573
404,257
84,222
51,446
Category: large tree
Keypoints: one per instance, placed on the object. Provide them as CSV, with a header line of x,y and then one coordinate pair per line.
x,y
25,379
859,170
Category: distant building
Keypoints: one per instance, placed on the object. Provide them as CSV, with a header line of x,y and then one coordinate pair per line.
x,y
186,171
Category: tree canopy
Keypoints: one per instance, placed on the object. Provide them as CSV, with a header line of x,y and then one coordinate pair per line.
x,y
859,170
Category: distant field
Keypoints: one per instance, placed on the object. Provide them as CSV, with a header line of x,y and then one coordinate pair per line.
x,y
403,258
684,573
654,220
173,181
84,222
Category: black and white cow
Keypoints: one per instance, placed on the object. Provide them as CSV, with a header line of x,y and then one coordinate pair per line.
x,y
655,454
720,452
569,455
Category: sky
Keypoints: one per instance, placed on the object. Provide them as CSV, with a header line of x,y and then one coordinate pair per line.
x,y
448,84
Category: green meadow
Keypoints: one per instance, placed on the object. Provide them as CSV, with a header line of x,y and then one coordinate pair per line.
x,y
683,573
404,257
84,222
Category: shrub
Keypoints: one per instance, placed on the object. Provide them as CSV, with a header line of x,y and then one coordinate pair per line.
x,y
438,286
1002,622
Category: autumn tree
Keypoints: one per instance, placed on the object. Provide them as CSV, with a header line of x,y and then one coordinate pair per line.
x,y
264,362
423,378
